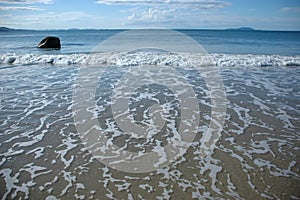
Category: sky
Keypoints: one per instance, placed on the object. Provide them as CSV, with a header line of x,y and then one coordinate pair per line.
x,y
115,14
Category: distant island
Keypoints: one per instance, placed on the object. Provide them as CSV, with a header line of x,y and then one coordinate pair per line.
x,y
241,29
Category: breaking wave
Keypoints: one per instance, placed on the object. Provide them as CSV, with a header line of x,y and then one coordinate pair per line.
x,y
150,58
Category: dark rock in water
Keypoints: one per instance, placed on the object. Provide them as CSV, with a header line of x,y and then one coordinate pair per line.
x,y
50,42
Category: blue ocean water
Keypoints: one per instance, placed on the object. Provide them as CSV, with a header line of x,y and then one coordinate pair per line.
x,y
214,41
247,42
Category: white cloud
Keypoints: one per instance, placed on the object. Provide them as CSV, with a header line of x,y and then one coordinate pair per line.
x,y
49,20
54,17
26,1
152,16
14,4
173,18
190,4
165,13
20,8
290,9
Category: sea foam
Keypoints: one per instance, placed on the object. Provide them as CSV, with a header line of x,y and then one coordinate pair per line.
x,y
150,58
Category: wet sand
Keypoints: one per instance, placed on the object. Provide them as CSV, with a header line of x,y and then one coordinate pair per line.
x,y
257,156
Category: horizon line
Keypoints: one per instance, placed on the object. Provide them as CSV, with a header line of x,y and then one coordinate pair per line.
x,y
246,29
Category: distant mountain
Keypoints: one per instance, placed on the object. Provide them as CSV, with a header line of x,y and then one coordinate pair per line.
x,y
242,29
6,29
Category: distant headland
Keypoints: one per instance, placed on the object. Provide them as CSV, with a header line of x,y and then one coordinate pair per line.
x,y
5,29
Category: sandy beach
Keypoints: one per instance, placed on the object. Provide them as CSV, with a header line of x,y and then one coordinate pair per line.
x,y
256,157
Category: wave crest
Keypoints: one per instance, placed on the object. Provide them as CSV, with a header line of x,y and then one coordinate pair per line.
x,y
147,58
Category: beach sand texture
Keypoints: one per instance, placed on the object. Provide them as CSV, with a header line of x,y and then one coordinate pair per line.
x,y
257,156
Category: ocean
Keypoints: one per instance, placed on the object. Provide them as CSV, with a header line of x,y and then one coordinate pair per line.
x,y
214,41
145,114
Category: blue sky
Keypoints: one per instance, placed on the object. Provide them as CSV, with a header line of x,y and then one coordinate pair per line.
x,y
202,14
